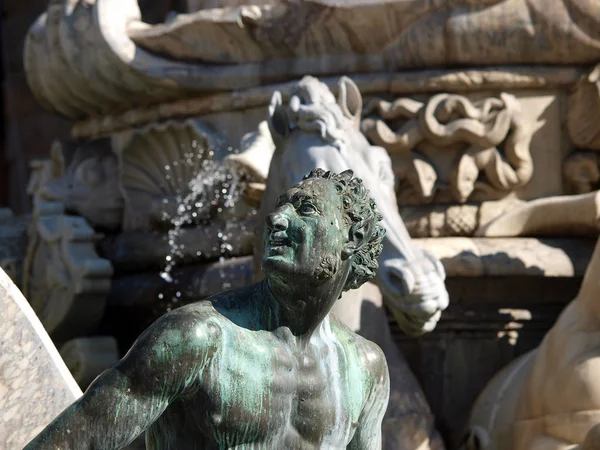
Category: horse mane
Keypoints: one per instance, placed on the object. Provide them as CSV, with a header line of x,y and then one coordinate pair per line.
x,y
313,108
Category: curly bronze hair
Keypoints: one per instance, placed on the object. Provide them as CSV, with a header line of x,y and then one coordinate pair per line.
x,y
360,214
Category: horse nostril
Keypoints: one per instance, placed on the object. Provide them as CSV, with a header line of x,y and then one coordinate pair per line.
x,y
395,274
443,300
402,279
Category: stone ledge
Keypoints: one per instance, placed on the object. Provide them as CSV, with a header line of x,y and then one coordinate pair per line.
x,y
509,257
402,83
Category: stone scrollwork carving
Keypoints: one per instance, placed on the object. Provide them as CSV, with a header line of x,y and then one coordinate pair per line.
x,y
488,140
64,279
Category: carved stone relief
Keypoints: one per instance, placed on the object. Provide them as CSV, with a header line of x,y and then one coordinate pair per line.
x,y
157,164
545,398
249,104
170,168
564,215
64,279
107,59
583,119
423,221
487,142
84,177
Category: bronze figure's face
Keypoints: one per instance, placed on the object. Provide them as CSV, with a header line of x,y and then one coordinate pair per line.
x,y
306,234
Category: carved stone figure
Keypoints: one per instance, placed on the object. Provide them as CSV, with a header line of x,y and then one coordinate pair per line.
x,y
316,130
565,215
262,366
86,59
548,398
86,180
469,132
64,279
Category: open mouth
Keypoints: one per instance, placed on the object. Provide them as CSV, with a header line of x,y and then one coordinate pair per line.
x,y
279,239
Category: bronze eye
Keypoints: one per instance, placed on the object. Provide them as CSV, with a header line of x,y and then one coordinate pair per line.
x,y
280,201
307,209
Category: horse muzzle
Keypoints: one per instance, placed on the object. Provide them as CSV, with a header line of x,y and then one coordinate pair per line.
x,y
416,303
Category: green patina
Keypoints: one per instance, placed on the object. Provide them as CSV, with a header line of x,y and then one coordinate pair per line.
x,y
265,366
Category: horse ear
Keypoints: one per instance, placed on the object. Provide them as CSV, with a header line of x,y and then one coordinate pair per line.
x,y
279,123
350,100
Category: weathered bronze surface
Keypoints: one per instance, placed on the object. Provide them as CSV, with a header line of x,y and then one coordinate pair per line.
x,y
264,366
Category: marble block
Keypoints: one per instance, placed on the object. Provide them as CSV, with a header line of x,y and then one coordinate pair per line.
x,y
35,384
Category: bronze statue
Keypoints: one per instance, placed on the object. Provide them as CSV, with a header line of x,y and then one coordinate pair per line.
x,y
265,366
